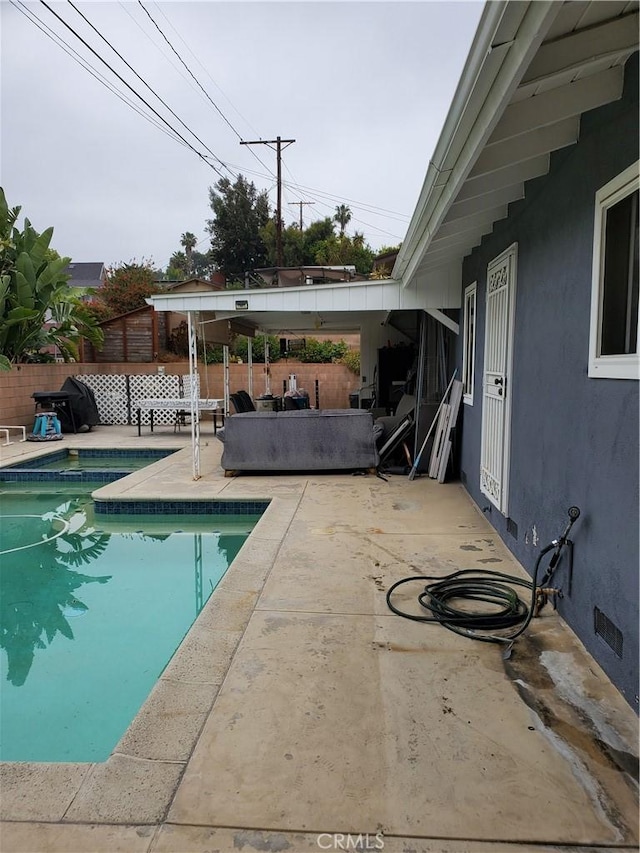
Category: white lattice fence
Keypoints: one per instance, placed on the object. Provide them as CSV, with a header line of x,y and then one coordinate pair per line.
x,y
186,385
118,395
154,385
110,391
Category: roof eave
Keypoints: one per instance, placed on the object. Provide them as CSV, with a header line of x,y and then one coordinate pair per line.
x,y
472,98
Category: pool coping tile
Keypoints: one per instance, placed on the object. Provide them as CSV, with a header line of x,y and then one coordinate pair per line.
x,y
126,790
38,791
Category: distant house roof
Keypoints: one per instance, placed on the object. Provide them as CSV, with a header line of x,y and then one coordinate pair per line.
x,y
90,274
194,284
296,276
385,261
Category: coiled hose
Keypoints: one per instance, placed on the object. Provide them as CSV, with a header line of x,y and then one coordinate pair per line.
x,y
507,610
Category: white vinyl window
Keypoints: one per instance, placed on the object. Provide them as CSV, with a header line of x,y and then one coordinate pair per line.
x,y
469,343
613,340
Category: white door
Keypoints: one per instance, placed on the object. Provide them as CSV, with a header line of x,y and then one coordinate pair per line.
x,y
496,392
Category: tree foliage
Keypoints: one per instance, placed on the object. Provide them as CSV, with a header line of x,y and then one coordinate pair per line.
x,y
318,245
342,216
177,269
341,249
126,288
202,266
240,211
34,292
189,241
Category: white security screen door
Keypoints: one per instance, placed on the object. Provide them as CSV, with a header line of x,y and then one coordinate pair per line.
x,y
496,392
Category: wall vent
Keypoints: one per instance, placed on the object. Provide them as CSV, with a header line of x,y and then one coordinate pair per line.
x,y
605,629
512,528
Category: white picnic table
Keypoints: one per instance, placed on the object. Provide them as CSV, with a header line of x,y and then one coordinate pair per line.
x,y
181,406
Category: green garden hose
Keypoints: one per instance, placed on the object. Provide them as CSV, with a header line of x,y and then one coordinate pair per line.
x,y
506,609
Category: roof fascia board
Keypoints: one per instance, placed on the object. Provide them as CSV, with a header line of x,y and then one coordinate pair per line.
x,y
340,296
535,23
481,47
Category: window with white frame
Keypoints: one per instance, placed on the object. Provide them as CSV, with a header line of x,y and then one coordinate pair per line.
x,y
469,343
613,340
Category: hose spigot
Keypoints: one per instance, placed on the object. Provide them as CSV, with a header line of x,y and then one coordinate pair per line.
x,y
574,515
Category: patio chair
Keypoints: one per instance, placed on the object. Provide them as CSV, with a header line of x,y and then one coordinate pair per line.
x,y
242,402
389,423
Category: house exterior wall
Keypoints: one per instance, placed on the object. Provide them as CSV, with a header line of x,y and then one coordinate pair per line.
x,y
574,440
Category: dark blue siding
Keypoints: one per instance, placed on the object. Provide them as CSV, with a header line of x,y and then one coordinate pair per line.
x,y
574,440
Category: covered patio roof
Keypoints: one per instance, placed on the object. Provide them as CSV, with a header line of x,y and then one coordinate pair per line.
x,y
339,307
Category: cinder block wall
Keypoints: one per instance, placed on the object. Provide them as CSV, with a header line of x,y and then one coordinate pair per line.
x,y
18,384
334,380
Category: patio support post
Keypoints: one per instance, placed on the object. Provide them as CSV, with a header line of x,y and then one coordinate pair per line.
x,y
225,371
250,363
267,378
422,355
193,396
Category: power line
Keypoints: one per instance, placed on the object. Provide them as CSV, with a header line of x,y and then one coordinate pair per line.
x,y
122,80
209,98
315,194
301,203
165,54
294,186
278,142
144,82
31,16
213,103
224,95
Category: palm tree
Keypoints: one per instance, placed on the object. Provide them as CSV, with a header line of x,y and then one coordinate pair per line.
x,y
342,216
188,241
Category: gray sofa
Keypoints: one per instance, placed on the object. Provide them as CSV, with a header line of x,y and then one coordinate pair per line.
x,y
306,440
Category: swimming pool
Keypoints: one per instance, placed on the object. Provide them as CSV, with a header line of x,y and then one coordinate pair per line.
x,y
95,465
92,608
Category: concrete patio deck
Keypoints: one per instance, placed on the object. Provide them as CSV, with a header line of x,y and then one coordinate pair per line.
x,y
299,714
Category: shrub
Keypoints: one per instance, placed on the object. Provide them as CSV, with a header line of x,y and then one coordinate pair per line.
x,y
240,348
322,352
351,359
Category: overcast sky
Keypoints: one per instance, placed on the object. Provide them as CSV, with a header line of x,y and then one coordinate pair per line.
x,y
363,88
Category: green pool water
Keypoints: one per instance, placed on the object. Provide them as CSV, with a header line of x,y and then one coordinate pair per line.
x,y
86,460
91,612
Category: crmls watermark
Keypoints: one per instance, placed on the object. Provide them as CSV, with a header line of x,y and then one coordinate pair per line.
x,y
348,841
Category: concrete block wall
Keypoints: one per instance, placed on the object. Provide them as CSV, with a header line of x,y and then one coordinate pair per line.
x,y
334,380
17,385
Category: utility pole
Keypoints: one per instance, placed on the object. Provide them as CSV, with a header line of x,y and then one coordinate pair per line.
x,y
301,203
280,145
